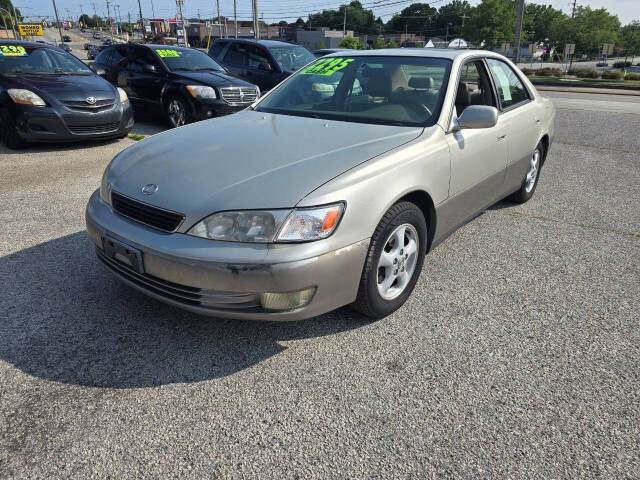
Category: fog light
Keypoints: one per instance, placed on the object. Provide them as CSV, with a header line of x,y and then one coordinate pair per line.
x,y
288,300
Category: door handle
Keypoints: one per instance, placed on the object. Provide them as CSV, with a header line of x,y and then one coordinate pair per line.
x,y
502,136
537,120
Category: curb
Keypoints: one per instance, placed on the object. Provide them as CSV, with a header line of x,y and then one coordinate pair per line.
x,y
595,90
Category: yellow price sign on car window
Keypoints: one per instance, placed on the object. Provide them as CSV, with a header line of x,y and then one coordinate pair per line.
x,y
12,51
327,66
167,52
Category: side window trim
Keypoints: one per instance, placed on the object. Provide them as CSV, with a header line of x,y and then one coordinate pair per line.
x,y
452,107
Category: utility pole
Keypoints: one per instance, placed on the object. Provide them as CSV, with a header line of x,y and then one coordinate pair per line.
x,y
153,10
57,20
573,9
256,25
109,18
219,24
516,43
141,20
235,17
130,27
344,23
181,24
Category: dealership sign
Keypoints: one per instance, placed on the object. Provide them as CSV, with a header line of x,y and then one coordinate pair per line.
x,y
30,29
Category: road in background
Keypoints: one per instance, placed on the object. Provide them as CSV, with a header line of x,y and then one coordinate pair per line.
x,y
516,356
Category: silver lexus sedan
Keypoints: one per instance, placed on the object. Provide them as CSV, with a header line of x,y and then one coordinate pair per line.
x,y
327,191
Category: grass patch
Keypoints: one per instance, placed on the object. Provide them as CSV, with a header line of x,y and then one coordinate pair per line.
x,y
630,84
136,136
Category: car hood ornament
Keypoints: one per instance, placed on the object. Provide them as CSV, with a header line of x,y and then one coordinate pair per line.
x,y
150,188
90,100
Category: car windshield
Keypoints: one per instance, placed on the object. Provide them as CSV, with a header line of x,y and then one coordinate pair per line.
x,y
291,58
187,59
31,59
407,91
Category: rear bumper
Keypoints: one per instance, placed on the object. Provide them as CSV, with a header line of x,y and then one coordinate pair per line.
x,y
59,124
224,279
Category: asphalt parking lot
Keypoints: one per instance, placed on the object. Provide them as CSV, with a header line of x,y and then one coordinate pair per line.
x,y
517,355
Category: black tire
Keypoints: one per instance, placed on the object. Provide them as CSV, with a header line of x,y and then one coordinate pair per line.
x,y
10,134
188,117
525,192
369,301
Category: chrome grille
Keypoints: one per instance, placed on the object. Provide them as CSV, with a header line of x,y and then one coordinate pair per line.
x,y
183,294
83,106
89,129
238,96
145,213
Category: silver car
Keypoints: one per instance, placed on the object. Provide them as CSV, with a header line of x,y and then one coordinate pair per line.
x,y
328,191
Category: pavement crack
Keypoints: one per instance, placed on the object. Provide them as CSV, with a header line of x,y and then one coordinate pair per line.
x,y
609,149
542,218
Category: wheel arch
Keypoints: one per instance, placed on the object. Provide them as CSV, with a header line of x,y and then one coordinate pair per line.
x,y
424,202
545,143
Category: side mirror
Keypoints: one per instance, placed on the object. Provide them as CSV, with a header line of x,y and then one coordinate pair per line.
x,y
477,116
265,66
149,68
98,70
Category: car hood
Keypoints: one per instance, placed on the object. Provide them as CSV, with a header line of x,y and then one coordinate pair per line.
x,y
214,79
68,87
247,160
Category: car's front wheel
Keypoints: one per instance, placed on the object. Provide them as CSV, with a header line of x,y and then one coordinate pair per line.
x,y
10,135
394,261
177,111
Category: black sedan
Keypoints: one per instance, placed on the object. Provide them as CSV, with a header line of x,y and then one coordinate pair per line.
x,y
184,83
48,95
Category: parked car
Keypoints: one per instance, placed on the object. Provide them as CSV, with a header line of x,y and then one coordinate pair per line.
x,y
326,51
87,46
64,47
48,95
296,206
97,35
83,30
109,41
93,52
66,38
184,83
264,62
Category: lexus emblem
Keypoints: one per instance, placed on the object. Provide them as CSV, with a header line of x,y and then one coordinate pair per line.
x,y
241,95
90,100
150,188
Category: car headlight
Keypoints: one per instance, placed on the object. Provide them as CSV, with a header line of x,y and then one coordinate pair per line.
x,y
123,95
201,91
268,226
25,97
105,188
308,224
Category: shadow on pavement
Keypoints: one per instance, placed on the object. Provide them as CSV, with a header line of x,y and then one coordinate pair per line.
x,y
57,146
66,319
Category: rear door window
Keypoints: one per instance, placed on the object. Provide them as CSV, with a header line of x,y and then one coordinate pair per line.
x,y
216,49
237,55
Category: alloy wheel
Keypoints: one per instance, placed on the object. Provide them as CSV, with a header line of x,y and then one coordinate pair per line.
x,y
177,113
532,174
398,260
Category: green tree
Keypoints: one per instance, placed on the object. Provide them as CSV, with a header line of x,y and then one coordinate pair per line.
x,y
630,37
8,19
358,18
415,18
589,29
453,13
350,42
492,23
392,44
378,43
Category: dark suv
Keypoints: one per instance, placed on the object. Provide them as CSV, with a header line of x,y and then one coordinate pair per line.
x,y
263,62
186,84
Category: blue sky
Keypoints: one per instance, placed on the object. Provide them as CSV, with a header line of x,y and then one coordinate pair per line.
x,y
627,10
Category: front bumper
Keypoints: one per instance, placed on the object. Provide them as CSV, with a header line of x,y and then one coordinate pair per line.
x,y
224,279
60,124
210,108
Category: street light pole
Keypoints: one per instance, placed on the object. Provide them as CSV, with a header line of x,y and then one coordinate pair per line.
x,y
55,9
235,18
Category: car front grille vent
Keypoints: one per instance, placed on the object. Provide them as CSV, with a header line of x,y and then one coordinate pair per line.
x,y
144,213
238,96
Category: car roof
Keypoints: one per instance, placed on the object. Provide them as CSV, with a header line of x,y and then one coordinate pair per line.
x,y
450,53
266,43
30,44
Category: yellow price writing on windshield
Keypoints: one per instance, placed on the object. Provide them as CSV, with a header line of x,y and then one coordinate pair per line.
x,y
164,53
327,66
12,51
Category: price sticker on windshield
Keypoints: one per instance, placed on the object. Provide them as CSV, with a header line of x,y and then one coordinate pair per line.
x,y
167,53
327,66
12,51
